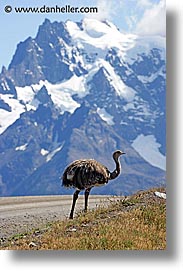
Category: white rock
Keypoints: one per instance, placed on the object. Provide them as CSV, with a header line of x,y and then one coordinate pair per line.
x,y
160,195
32,244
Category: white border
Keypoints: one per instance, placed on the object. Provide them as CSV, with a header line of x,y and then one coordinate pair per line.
x,y
132,262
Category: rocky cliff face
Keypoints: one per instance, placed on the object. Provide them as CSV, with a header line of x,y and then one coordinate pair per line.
x,y
82,90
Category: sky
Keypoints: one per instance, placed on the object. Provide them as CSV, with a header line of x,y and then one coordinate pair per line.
x,y
142,17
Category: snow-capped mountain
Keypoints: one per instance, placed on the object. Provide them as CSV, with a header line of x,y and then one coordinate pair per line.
x,y
82,90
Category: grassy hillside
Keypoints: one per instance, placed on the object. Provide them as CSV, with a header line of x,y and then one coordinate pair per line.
x,y
137,222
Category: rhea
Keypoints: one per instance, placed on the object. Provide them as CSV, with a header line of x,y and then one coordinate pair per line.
x,y
84,174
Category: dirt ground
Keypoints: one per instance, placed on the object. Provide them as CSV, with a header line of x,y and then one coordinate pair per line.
x,y
22,214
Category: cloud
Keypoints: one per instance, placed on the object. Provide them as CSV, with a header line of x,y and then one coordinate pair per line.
x,y
153,21
131,21
143,17
144,3
106,10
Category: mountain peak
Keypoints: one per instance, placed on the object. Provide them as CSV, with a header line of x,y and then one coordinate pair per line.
x,y
21,52
46,22
52,32
4,70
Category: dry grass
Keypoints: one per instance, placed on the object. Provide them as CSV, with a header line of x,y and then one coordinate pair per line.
x,y
135,223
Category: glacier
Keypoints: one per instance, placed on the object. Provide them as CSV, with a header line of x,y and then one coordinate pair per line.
x,y
148,148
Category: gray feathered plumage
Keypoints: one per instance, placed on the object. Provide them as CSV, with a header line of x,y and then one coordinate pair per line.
x,y
82,174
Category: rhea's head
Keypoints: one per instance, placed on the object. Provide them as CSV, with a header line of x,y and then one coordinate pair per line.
x,y
117,154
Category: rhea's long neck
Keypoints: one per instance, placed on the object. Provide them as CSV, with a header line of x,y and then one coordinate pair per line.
x,y
117,170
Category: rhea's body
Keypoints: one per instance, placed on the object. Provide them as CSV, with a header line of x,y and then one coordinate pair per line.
x,y
86,173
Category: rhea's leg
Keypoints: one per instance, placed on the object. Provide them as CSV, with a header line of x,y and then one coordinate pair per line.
x,y
87,192
75,196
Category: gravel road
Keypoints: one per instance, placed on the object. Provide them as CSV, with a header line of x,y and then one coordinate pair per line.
x,y
21,214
